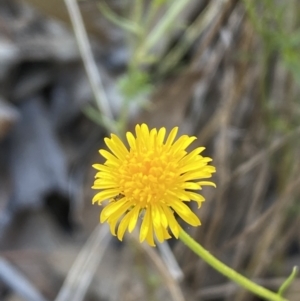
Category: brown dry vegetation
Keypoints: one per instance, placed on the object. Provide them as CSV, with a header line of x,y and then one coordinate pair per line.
x,y
234,84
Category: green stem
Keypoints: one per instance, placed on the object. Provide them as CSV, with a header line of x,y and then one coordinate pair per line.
x,y
127,25
285,285
161,27
227,271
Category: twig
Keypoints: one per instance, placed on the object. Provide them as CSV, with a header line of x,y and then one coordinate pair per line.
x,y
170,261
88,59
85,266
171,283
261,155
18,283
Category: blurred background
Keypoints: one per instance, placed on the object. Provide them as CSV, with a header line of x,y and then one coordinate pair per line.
x,y
226,71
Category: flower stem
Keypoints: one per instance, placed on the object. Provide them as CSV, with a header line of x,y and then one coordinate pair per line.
x,y
227,271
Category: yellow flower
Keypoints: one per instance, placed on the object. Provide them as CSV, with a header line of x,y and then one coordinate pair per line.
x,y
152,179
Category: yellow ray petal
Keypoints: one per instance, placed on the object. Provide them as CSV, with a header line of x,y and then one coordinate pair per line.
x,y
193,166
176,195
171,137
115,149
111,159
105,181
159,233
161,136
194,175
166,234
112,225
182,143
192,155
101,167
153,139
106,175
149,238
131,140
134,217
190,185
163,218
155,216
118,207
119,143
145,131
207,183
186,213
104,186
104,195
173,224
196,197
123,226
145,225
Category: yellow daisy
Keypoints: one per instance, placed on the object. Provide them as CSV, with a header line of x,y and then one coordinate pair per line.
x,y
152,179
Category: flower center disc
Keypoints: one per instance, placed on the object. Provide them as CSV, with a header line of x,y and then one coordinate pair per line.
x,y
146,175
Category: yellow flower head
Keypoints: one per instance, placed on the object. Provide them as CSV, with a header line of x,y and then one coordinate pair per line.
x,y
153,178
